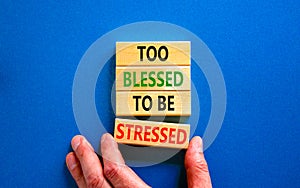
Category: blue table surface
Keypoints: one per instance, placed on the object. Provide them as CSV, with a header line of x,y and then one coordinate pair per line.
x,y
256,43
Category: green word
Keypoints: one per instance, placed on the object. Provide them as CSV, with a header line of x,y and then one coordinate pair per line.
x,y
152,79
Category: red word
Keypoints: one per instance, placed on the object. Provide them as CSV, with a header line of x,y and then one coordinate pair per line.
x,y
154,134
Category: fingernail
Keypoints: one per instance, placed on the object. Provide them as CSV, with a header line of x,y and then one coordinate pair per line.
x,y
109,140
71,163
110,150
198,145
103,138
75,142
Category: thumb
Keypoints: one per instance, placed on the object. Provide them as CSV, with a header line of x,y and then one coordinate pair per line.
x,y
115,170
196,166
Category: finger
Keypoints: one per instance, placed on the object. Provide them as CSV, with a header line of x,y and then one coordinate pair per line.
x,y
89,162
196,166
115,170
75,169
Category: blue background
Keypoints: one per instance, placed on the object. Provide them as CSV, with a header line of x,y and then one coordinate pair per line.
x,y
257,45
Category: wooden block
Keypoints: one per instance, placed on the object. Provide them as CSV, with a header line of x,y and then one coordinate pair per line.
x,y
153,103
149,133
164,53
153,78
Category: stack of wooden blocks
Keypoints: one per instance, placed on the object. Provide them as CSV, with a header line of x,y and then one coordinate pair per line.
x,y
153,79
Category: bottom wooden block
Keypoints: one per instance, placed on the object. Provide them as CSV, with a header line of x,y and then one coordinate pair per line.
x,y
149,133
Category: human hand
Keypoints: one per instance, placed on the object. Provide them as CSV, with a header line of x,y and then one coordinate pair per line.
x,y
87,171
196,166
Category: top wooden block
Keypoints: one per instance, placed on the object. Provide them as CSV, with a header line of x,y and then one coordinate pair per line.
x,y
168,53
